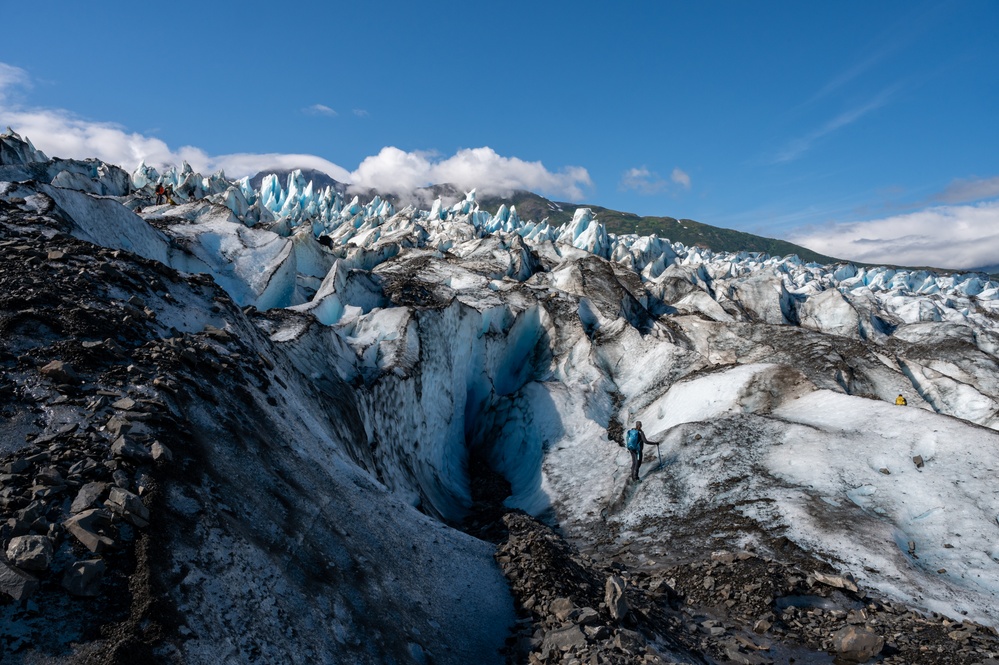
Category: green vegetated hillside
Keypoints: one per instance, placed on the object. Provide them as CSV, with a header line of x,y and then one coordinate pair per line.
x,y
687,231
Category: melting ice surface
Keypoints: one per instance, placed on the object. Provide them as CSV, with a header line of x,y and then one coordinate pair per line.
x,y
770,381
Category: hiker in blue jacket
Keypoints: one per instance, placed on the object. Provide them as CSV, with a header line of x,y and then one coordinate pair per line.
x,y
635,441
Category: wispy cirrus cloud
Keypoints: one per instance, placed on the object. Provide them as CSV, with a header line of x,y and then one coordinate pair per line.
x,y
908,29
644,181
850,74
361,113
11,79
799,146
319,109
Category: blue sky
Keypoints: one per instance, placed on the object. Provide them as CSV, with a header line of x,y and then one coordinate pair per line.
x,y
866,130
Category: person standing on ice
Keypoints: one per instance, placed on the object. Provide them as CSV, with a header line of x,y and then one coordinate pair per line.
x,y
160,194
900,401
635,441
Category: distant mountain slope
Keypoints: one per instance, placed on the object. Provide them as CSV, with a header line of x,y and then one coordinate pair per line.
x,y
687,231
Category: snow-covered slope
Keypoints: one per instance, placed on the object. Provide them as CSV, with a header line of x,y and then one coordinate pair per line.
x,y
408,342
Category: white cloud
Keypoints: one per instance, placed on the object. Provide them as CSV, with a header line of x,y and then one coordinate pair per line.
x,y
644,181
953,237
973,189
242,164
60,133
395,170
319,109
361,113
680,177
11,78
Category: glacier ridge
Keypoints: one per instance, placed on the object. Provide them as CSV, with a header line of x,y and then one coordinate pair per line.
x,y
769,382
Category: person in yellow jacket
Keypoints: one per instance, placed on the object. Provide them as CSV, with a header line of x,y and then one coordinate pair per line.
x,y
900,401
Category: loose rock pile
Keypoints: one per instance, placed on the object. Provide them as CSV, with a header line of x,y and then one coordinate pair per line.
x,y
576,613
807,608
738,607
84,436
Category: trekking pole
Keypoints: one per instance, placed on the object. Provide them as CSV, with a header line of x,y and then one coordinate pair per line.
x,y
660,451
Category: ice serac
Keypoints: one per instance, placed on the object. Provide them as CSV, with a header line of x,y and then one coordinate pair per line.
x,y
19,161
583,232
830,312
255,266
15,151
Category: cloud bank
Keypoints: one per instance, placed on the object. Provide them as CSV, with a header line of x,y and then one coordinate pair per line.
x,y
398,171
964,237
60,133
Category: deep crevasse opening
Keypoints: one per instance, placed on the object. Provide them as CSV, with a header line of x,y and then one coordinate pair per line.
x,y
469,386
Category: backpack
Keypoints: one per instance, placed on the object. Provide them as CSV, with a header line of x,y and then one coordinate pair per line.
x,y
633,441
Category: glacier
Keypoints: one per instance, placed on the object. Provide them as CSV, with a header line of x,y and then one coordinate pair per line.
x,y
405,342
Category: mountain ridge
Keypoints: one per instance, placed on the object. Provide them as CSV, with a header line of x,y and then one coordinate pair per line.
x,y
687,231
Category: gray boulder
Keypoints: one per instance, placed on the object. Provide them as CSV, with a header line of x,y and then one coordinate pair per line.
x,y
15,582
59,371
857,644
30,552
87,497
160,452
617,604
629,641
86,527
128,505
565,639
123,447
83,578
